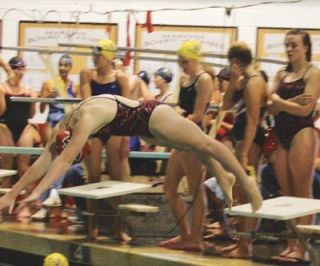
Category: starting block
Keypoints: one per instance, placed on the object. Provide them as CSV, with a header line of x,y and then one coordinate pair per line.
x,y
102,190
126,210
285,209
110,189
311,232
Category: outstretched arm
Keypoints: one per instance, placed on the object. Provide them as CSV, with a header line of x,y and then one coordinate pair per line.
x,y
62,163
35,172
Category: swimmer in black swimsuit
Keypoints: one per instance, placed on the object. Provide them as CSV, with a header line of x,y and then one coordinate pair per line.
x,y
14,127
295,93
248,92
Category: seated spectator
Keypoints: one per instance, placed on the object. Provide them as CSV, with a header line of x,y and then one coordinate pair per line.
x,y
14,127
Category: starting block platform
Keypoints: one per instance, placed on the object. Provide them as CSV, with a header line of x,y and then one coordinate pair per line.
x,y
285,209
281,208
106,189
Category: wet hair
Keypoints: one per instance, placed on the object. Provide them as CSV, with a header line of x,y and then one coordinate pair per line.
x,y
144,76
306,39
164,73
16,62
66,58
241,52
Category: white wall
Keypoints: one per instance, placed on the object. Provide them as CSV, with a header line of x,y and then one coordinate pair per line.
x,y
304,14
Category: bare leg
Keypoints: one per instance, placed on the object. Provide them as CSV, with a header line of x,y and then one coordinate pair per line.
x,y
116,159
191,237
174,131
6,160
93,161
302,155
281,168
26,140
174,174
247,224
117,169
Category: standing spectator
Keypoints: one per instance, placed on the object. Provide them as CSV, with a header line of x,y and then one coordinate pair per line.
x,y
108,80
293,99
195,93
248,90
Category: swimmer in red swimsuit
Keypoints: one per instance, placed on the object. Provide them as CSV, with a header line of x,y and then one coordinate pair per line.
x,y
153,121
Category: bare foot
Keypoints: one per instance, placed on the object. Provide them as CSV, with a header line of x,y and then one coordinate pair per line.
x,y
296,254
211,249
171,241
24,212
187,246
286,251
251,187
239,253
226,183
123,236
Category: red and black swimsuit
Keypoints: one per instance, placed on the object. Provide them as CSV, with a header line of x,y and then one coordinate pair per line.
x,y
288,125
129,121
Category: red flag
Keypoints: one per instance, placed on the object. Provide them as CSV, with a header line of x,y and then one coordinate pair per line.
x,y
127,56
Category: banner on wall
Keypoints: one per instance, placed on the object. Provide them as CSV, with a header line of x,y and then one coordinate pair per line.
x,y
213,40
49,35
270,45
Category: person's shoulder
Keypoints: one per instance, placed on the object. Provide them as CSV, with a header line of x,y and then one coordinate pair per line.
x,y
256,79
312,74
204,78
48,82
88,73
282,72
313,71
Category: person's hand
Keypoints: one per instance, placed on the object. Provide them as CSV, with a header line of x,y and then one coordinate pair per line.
x,y
271,104
237,73
7,201
53,94
274,97
31,198
243,159
180,111
302,99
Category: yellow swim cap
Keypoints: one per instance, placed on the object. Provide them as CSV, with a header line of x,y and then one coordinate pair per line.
x,y
107,48
190,49
55,259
